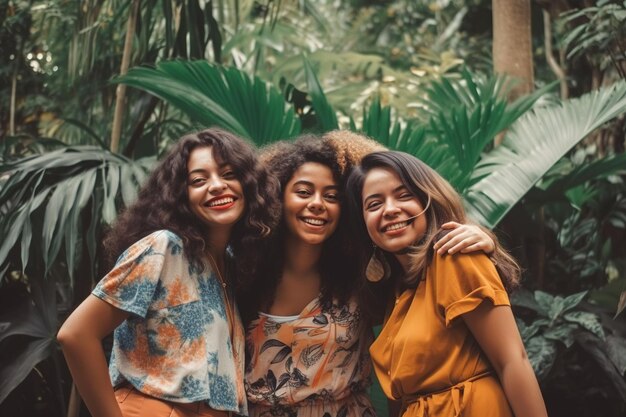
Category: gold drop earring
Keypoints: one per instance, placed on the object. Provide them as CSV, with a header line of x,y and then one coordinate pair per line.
x,y
377,267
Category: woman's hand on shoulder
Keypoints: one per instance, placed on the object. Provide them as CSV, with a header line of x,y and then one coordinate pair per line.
x,y
464,238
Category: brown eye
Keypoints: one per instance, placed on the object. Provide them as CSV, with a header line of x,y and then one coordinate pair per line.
x,y
197,181
303,193
372,205
333,197
229,175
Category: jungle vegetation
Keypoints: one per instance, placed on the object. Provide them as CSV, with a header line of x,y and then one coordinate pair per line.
x,y
519,104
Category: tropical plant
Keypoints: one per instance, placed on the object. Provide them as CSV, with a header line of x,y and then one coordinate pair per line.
x,y
28,337
212,95
82,188
599,31
63,199
559,323
533,145
556,321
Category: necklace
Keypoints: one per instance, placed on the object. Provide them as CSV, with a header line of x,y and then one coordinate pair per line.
x,y
229,306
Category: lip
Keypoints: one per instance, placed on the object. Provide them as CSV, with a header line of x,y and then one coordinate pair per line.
x,y
221,207
398,231
304,219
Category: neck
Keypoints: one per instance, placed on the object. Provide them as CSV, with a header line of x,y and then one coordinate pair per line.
x,y
301,258
404,260
217,241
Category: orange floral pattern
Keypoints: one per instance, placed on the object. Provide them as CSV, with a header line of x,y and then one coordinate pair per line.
x,y
315,365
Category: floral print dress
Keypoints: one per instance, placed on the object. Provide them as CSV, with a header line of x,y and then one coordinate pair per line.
x,y
315,365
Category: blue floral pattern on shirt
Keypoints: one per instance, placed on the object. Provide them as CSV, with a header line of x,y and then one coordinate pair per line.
x,y
176,344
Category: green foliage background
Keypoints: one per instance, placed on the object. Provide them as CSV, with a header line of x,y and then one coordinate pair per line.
x,y
414,75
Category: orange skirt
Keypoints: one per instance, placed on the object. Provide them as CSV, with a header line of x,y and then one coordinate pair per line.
x,y
134,403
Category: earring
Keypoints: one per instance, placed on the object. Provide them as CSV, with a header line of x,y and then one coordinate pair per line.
x,y
377,267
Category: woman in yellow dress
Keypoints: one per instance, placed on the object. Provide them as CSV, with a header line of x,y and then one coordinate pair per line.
x,y
449,345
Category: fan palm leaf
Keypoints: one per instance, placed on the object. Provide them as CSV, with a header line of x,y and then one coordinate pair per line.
x,y
532,146
408,137
49,196
467,114
214,95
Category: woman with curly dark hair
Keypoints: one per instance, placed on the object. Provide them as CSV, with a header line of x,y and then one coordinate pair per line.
x,y
179,343
306,340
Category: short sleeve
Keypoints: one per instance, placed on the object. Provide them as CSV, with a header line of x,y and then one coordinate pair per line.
x,y
464,281
132,284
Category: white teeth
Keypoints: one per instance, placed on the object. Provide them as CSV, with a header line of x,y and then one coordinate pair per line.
x,y
396,226
221,201
315,222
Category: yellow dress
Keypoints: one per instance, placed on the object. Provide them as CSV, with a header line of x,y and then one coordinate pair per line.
x,y
426,356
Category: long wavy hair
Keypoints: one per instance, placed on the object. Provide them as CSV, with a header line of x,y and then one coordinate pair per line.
x,y
163,203
445,205
338,277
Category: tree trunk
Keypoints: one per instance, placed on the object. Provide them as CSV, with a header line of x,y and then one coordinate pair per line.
x,y
121,88
513,56
13,99
557,69
12,105
512,44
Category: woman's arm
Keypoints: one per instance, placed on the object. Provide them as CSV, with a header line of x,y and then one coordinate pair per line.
x,y
81,340
496,332
464,238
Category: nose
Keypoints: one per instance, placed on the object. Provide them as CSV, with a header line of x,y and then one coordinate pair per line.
x,y
390,209
316,204
216,185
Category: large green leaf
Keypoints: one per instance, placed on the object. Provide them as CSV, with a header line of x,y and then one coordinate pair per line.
x,y
532,146
57,187
324,112
32,325
579,175
541,354
467,114
378,123
214,95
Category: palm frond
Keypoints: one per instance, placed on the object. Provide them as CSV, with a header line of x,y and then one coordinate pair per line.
x,y
532,146
326,117
50,196
467,114
408,137
584,173
227,97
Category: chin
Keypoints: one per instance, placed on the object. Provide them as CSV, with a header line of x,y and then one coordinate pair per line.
x,y
314,240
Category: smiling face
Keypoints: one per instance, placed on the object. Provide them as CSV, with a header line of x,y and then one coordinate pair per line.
x,y
388,208
311,204
215,193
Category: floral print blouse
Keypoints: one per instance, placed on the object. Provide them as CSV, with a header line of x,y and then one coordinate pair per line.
x,y
312,366
176,344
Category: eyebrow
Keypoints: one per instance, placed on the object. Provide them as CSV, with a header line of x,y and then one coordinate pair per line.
x,y
220,166
310,184
395,190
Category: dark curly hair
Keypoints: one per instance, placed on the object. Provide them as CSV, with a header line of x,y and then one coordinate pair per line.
x,y
163,203
338,276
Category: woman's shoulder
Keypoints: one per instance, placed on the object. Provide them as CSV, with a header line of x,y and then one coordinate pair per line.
x,y
163,241
461,261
